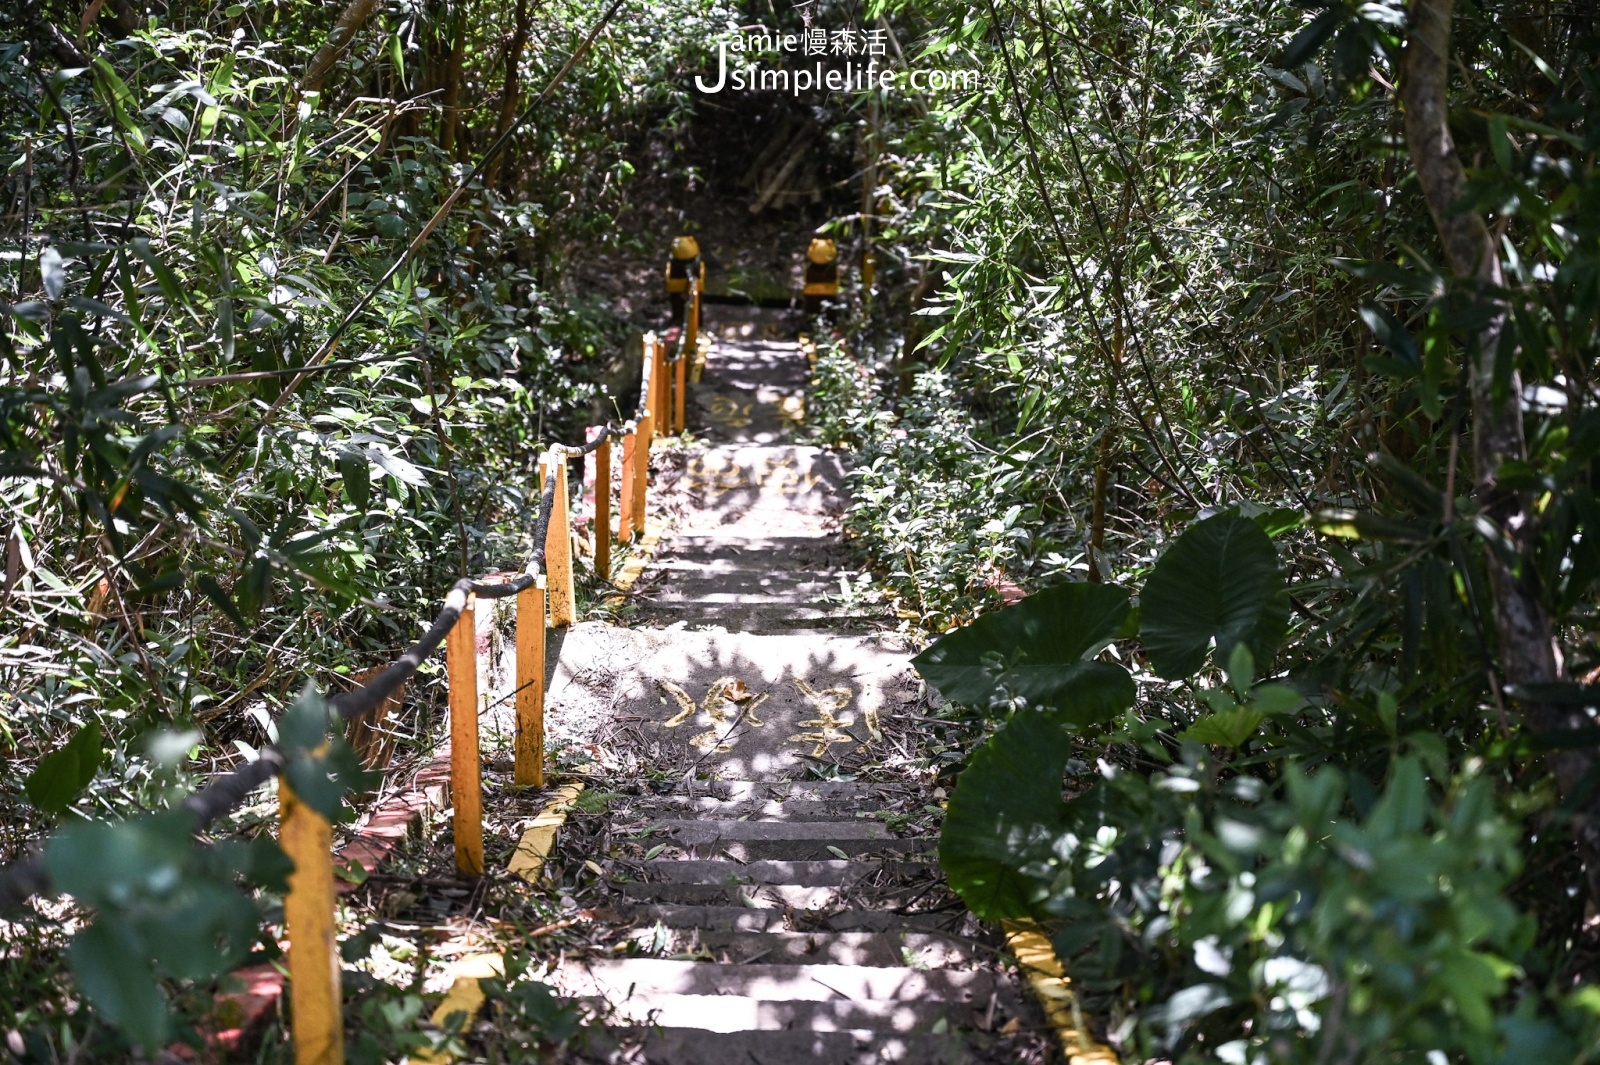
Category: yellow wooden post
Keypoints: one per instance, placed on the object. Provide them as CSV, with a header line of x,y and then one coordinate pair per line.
x,y
641,469
466,782
630,444
558,543
661,408
602,510
530,685
308,912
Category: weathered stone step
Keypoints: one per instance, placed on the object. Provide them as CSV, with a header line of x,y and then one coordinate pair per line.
x,y
745,919
920,949
830,873
757,619
755,896
793,790
620,978
681,1046
733,1013
784,840
771,553
801,809
705,831
611,673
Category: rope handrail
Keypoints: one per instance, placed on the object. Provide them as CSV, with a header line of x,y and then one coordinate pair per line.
x,y
305,834
27,877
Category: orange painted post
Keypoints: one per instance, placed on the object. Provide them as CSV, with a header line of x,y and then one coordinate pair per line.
x,y
308,913
558,542
530,685
657,354
630,444
641,471
685,353
602,510
466,781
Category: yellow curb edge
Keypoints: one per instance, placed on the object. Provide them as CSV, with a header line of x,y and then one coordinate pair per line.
x,y
1050,986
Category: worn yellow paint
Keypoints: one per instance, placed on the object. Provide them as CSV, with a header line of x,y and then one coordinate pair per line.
x,y
634,568
529,771
466,780
702,351
540,834
1049,983
309,908
558,544
465,996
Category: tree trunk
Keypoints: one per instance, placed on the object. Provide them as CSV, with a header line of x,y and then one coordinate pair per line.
x,y
451,121
511,94
339,38
1528,654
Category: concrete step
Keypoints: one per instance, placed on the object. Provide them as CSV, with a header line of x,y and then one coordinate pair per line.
x,y
748,841
618,979
847,791
681,1046
919,949
732,1013
755,896
706,831
745,919
704,807
830,873
606,673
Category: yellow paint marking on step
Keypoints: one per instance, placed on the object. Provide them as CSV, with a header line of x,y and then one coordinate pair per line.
x,y
636,564
465,996
540,834
1049,983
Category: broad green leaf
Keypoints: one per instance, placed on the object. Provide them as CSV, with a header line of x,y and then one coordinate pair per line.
x,y
353,467
111,971
1038,646
58,778
1227,728
1004,813
1219,584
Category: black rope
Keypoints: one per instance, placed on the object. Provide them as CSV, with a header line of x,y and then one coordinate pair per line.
x,y
28,877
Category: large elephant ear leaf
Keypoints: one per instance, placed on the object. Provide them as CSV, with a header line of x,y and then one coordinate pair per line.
x,y
1041,642
1004,814
1220,583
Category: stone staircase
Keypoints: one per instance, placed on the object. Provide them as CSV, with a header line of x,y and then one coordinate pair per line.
x,y
775,917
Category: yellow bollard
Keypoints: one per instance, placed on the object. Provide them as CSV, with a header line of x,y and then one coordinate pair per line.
x,y
308,912
558,543
466,781
602,510
530,685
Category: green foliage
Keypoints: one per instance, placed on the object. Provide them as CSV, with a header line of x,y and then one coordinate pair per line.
x,y
319,767
165,909
1039,651
189,528
1219,585
59,777
1270,912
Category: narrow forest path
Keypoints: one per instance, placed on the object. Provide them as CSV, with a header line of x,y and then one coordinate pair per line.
x,y
776,916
